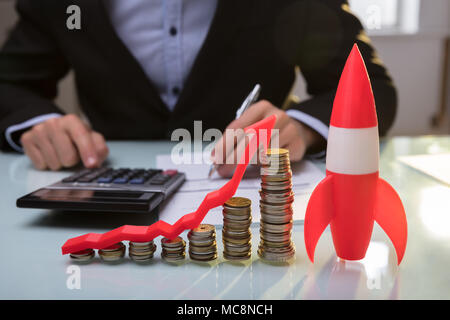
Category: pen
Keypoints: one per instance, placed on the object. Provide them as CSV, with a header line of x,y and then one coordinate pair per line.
x,y
251,98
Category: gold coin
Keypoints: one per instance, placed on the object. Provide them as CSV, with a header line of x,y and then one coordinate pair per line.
x,y
229,247
203,257
114,247
204,228
178,241
235,218
274,244
238,202
238,223
205,243
237,233
279,151
275,237
141,244
174,258
83,256
235,241
274,257
238,257
246,211
112,253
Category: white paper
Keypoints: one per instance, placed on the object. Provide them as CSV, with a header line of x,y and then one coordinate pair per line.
x,y
305,176
434,165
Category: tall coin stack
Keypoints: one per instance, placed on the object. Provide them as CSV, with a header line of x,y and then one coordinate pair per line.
x,y
276,207
141,251
202,243
173,250
236,234
112,253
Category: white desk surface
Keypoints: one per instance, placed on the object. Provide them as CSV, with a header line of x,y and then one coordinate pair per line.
x,y
32,266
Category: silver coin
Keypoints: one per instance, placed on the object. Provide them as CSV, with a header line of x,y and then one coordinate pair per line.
x,y
83,256
237,258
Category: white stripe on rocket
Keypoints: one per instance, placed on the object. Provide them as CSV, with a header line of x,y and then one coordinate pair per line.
x,y
353,151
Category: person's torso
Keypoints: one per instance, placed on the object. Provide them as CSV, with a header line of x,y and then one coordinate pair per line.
x,y
247,42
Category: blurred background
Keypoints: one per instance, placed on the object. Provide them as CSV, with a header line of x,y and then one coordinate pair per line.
x,y
412,37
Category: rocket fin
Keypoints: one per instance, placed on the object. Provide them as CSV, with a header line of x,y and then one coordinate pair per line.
x,y
319,213
390,215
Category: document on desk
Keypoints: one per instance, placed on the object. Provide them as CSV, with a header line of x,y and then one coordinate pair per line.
x,y
434,165
305,176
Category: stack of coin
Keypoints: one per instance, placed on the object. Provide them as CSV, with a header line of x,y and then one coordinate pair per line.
x,y
276,207
173,250
83,255
236,234
141,251
202,243
112,253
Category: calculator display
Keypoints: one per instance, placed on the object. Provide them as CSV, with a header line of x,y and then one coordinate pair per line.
x,y
80,194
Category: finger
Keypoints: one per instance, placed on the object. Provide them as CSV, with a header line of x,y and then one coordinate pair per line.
x,y
297,149
234,158
226,170
282,119
254,113
226,145
65,149
287,134
35,156
100,146
228,141
82,138
42,141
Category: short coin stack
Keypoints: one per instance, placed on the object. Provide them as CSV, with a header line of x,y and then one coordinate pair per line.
x,y
202,243
173,250
236,234
83,256
112,253
141,251
276,207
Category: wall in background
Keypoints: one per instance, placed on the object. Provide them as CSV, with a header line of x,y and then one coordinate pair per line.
x,y
415,61
416,65
67,98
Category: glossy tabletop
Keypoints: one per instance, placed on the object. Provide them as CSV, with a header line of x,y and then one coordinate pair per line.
x,y
32,266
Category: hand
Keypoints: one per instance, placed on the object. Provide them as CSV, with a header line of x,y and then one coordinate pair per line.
x,y
62,142
293,135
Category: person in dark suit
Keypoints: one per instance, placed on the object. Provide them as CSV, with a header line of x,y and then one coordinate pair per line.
x,y
146,67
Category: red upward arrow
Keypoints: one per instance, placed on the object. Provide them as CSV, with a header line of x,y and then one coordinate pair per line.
x,y
260,131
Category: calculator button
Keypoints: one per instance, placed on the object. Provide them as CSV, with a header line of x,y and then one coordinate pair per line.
x,y
160,179
94,174
170,172
121,180
76,176
137,181
87,178
104,179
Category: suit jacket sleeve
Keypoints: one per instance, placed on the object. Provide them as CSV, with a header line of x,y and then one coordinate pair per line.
x,y
330,32
30,67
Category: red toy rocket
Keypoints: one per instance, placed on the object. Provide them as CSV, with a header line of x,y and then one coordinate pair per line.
x,y
352,196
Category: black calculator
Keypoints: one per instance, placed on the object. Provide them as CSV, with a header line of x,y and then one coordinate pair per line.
x,y
107,190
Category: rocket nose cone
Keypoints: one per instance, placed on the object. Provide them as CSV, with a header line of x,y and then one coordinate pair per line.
x,y
354,105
